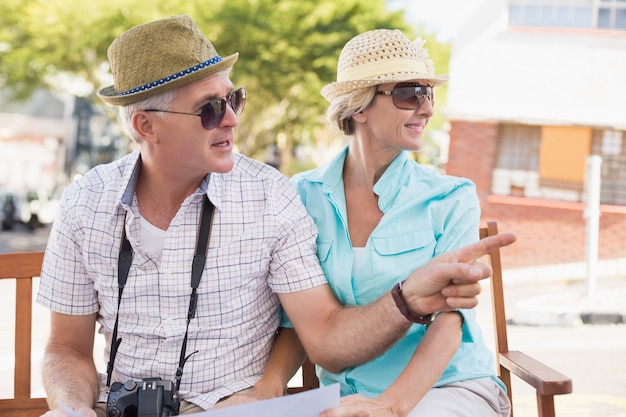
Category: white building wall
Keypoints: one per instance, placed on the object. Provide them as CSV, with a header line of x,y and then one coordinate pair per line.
x,y
536,76
33,143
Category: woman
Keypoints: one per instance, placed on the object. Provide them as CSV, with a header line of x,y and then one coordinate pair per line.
x,y
380,215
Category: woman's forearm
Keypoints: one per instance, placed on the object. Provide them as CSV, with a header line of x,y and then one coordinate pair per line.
x,y
285,358
430,359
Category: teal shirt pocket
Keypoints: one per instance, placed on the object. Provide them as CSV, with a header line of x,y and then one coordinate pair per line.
x,y
397,244
390,259
323,249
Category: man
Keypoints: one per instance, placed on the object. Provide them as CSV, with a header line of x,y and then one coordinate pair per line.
x,y
121,250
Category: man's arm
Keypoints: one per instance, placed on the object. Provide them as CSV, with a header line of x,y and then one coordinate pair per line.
x,y
336,337
68,370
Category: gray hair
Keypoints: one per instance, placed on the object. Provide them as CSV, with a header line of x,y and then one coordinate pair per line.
x,y
343,107
161,101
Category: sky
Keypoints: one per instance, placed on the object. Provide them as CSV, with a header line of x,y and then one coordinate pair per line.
x,y
441,17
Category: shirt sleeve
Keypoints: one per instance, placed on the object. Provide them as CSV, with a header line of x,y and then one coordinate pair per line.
x,y
64,286
294,266
459,227
459,218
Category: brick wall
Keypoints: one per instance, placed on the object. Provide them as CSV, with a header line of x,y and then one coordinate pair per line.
x,y
548,231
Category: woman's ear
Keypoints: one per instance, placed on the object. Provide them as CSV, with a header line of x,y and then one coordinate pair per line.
x,y
142,123
359,117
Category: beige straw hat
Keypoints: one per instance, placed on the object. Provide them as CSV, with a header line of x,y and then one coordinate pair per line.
x,y
381,56
158,56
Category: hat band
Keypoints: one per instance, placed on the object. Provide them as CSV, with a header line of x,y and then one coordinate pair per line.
x,y
173,77
379,68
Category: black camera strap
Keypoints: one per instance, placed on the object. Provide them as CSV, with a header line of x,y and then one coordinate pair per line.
x,y
125,259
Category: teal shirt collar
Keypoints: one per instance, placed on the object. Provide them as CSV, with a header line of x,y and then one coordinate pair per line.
x,y
386,188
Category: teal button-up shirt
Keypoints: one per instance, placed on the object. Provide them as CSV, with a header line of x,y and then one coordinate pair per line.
x,y
425,214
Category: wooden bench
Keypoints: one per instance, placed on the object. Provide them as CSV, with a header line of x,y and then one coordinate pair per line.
x,y
23,267
546,381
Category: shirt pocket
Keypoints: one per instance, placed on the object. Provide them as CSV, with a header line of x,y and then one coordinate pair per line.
x,y
393,258
398,244
337,270
323,249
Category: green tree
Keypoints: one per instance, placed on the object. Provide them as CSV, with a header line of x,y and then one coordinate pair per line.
x,y
288,51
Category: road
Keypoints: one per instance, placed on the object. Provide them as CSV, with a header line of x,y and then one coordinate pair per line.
x,y
594,356
23,240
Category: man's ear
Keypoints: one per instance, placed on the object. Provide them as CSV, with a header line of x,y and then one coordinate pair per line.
x,y
142,123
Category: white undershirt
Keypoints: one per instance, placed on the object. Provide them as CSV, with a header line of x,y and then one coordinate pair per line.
x,y
151,238
358,259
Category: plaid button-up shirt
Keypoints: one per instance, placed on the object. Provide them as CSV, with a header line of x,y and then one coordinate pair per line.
x,y
262,243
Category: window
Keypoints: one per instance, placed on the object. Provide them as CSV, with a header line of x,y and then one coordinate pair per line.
x,y
550,161
517,162
596,14
518,147
610,146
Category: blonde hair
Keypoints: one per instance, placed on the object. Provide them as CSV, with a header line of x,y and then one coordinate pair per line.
x,y
343,107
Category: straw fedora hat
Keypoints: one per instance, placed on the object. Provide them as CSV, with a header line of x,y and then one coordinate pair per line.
x,y
158,56
381,56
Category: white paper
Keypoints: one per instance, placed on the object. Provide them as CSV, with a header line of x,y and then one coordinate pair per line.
x,y
304,404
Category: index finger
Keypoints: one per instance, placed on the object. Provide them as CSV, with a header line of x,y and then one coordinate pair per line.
x,y
484,246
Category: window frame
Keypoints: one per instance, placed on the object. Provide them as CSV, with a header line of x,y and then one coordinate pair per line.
x,y
577,14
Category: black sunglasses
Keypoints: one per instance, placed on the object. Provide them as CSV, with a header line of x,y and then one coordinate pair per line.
x,y
213,112
409,96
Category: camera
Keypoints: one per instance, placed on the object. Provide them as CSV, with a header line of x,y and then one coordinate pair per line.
x,y
150,397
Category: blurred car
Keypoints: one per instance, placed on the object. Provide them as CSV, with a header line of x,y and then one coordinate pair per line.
x,y
12,210
30,209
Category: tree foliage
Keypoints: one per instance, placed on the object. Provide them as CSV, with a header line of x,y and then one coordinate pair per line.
x,y
288,51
